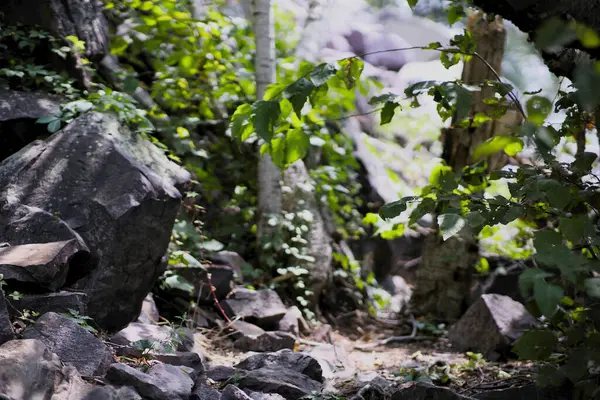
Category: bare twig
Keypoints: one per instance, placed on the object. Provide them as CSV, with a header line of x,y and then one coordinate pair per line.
x,y
408,338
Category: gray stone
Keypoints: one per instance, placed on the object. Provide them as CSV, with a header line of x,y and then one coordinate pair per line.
x,y
112,393
289,384
219,373
161,338
264,396
490,326
43,264
263,307
266,341
293,322
372,387
72,343
149,313
526,392
231,258
284,359
185,358
113,189
393,60
80,18
234,393
204,392
221,278
29,370
160,383
60,302
334,361
31,105
6,329
422,391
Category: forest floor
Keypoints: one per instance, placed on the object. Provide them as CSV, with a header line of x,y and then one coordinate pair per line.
x,y
430,360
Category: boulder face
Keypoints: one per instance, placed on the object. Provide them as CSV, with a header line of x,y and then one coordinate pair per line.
x,y
81,18
99,183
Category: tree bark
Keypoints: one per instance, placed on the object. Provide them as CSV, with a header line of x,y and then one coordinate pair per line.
x,y
529,15
444,277
269,175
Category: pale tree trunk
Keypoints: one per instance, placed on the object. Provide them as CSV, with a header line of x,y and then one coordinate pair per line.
x,y
269,175
444,278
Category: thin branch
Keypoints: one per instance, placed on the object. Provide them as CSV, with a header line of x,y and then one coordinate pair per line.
x,y
408,338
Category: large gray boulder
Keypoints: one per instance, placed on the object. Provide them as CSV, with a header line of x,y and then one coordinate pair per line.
x,y
29,370
96,182
160,383
72,343
6,330
81,18
491,326
44,264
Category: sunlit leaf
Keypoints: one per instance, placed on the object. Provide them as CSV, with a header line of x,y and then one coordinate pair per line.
x,y
509,144
450,225
538,108
297,145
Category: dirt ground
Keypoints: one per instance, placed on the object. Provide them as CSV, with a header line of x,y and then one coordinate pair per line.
x,y
431,360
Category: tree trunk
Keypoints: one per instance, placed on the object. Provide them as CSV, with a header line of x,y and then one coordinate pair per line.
x,y
444,278
269,175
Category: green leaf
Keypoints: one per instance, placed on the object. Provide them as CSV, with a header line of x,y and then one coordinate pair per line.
x,y
240,122
412,3
419,87
322,73
553,35
387,112
587,82
547,296
297,145
528,278
118,45
382,99
277,151
535,345
592,287
317,95
538,108
46,119
186,62
297,93
426,206
557,194
273,90
509,144
577,228
54,126
450,225
264,117
456,12
395,208
464,100
350,71
449,59
475,219
588,37
130,84
179,283
583,162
